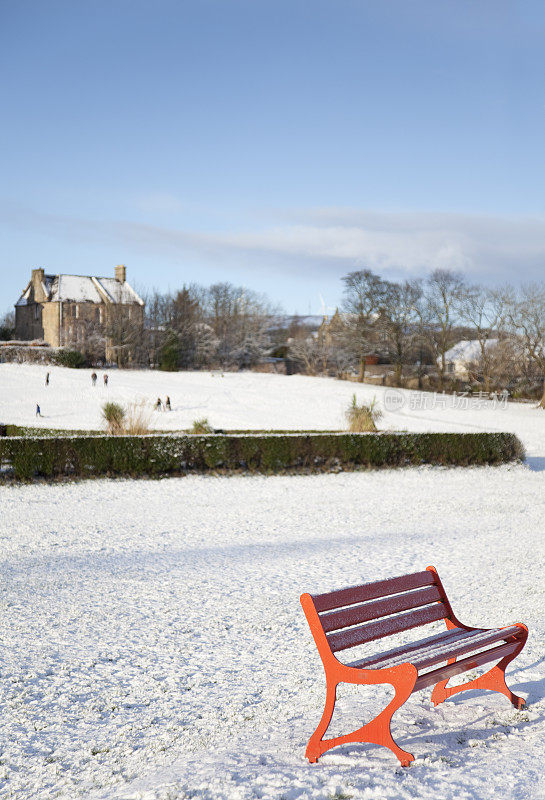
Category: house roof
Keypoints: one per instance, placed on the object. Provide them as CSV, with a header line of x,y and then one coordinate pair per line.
x,y
84,289
468,350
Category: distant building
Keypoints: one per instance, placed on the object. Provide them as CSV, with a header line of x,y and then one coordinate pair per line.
x,y
462,359
72,310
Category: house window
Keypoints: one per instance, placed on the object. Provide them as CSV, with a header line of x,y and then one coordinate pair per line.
x,y
36,311
77,312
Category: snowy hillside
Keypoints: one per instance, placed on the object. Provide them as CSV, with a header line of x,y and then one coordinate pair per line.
x,y
247,400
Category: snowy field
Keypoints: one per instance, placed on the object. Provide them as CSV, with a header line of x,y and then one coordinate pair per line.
x,y
153,643
250,400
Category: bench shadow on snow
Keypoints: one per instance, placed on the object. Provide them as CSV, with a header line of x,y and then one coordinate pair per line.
x,y
452,743
535,689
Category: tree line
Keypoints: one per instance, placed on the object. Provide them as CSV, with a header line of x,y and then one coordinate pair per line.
x,y
409,324
413,324
221,325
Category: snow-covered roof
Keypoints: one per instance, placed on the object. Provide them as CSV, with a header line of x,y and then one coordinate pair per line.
x,y
84,289
468,350
76,288
119,292
23,300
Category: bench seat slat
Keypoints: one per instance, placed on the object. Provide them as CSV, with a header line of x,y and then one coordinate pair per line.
x,y
436,649
386,627
365,612
403,649
465,664
370,591
477,643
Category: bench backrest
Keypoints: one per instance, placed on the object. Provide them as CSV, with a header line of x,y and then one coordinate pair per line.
x,y
360,614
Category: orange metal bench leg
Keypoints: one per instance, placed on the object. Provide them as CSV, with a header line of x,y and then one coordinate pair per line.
x,y
375,732
493,680
440,691
314,748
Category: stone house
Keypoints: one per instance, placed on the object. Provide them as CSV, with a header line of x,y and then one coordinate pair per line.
x,y
79,312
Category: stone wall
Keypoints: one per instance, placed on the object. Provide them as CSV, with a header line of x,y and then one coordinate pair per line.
x,y
50,323
28,322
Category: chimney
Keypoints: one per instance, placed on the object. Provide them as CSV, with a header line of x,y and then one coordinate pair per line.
x,y
37,280
121,273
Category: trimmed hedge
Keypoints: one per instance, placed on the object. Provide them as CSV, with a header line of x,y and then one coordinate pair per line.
x,y
87,456
40,433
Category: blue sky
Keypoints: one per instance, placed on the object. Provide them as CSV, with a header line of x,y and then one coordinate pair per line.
x,y
277,144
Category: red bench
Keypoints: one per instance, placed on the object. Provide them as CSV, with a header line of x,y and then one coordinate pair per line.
x,y
360,614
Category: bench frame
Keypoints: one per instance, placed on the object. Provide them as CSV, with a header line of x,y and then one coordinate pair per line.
x,y
404,677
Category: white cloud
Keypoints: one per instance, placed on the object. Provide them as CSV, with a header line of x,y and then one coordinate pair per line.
x,y
487,247
484,247
332,242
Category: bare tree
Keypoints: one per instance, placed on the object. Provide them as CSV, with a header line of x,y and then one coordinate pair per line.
x,y
241,320
364,294
526,313
124,332
254,343
156,324
206,344
310,351
484,310
337,345
438,312
400,320
505,362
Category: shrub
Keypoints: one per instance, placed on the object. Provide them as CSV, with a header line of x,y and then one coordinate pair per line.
x,y
69,358
25,457
361,419
201,426
114,416
137,419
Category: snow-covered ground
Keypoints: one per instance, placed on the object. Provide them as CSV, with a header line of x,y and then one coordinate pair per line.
x,y
247,400
153,646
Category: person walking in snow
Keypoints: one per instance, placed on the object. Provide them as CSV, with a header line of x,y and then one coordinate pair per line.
x,y
94,378
158,405
167,404
38,411
47,379
105,380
